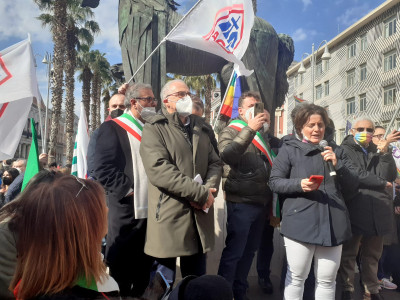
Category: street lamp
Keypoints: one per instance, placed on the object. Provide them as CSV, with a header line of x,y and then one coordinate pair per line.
x,y
326,56
48,61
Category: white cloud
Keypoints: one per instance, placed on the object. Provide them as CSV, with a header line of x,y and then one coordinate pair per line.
x,y
106,14
19,18
302,34
306,3
353,14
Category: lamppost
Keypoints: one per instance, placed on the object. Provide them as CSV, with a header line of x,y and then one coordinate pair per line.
x,y
48,61
326,56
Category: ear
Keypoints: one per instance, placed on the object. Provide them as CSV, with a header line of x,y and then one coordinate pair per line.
x,y
133,102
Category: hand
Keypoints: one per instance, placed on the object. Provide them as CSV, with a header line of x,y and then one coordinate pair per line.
x,y
328,154
308,186
130,194
122,89
257,122
210,199
383,146
397,210
394,136
389,185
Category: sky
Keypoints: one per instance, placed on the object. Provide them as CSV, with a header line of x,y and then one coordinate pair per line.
x,y
306,21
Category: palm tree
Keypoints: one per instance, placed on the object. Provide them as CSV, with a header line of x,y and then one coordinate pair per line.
x,y
79,30
56,18
85,59
110,88
100,69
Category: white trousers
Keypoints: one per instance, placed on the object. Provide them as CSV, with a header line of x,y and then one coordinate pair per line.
x,y
326,264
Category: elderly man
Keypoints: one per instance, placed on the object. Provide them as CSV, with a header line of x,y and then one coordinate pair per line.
x,y
184,172
243,149
370,208
118,167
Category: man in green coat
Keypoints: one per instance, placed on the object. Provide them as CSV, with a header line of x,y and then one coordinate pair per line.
x,y
184,173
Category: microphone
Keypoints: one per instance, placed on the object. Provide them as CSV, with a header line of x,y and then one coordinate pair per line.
x,y
331,168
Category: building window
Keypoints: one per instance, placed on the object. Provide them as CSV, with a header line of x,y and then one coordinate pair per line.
x,y
318,70
363,102
351,76
351,106
326,65
318,92
389,95
351,48
389,60
363,42
390,26
326,87
363,72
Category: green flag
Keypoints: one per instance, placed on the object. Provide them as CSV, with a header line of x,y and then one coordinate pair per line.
x,y
32,166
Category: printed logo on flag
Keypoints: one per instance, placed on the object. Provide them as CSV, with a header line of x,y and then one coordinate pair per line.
x,y
228,27
4,73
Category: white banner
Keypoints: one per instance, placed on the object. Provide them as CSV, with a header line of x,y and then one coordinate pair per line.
x,y
18,86
79,160
221,27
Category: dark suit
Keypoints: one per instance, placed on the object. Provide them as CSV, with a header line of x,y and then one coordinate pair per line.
x,y
126,235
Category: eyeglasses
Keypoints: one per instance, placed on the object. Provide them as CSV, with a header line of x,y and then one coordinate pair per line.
x,y
180,94
362,129
83,186
147,99
379,136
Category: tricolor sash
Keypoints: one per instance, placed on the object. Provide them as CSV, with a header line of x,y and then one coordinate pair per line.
x,y
258,140
127,122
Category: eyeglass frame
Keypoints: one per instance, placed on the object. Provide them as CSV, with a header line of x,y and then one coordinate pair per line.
x,y
369,130
180,92
83,186
148,100
378,136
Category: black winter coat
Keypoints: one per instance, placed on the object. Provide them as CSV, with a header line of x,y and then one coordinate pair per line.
x,y
319,217
246,169
371,207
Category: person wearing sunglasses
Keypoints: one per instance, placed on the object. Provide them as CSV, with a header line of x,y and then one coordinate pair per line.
x,y
370,208
184,173
118,167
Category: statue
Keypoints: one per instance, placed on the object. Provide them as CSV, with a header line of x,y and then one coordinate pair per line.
x,y
144,23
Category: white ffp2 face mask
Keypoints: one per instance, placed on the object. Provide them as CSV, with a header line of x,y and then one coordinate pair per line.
x,y
184,106
249,114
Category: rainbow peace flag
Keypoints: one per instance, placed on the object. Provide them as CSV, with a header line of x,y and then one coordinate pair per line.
x,y
298,100
231,102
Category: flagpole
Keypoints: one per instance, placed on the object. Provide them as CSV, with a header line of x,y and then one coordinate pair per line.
x,y
40,120
391,122
223,99
165,39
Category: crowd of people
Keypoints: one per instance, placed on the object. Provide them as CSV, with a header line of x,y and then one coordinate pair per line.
x,y
152,181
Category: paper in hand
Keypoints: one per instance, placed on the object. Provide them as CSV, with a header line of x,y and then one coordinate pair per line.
x,y
198,179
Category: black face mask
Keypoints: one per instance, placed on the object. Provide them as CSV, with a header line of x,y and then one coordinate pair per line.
x,y
116,113
7,180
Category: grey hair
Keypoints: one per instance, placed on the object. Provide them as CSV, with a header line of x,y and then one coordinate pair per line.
x,y
165,90
23,160
133,91
363,118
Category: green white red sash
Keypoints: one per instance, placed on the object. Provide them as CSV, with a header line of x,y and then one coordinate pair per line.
x,y
258,140
127,122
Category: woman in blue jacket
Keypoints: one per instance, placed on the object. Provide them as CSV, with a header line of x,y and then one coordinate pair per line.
x,y
315,221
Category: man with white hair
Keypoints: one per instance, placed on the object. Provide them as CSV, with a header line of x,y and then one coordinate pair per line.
x,y
370,208
15,187
184,173
118,167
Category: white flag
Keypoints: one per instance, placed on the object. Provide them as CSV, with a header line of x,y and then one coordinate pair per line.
x,y
221,27
79,160
18,86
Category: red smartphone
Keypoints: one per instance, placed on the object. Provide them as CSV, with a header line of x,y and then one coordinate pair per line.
x,y
317,178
